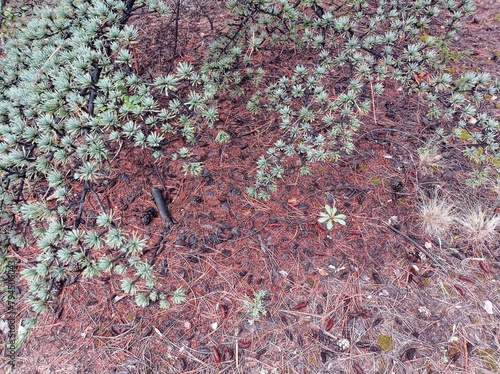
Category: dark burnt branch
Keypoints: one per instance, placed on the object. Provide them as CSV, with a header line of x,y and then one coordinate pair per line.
x,y
161,204
85,191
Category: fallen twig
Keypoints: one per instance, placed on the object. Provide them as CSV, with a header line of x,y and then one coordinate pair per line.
x,y
78,219
419,247
162,206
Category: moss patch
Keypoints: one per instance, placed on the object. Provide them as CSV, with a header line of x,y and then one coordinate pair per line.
x,y
385,343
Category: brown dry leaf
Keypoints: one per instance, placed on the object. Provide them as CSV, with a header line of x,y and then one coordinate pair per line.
x,y
322,272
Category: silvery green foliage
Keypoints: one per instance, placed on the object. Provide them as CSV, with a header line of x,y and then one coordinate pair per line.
x,y
69,99
364,48
256,306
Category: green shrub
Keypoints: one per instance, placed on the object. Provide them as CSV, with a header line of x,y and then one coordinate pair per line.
x,y
366,48
70,99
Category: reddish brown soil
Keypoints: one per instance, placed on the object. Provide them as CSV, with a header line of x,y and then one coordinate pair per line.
x,y
361,282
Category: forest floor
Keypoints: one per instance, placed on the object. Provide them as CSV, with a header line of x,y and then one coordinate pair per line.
x,y
378,295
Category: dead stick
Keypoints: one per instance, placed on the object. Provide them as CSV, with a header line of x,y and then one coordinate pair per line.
x,y
162,206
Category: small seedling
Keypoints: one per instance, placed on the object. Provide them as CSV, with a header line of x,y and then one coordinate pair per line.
x,y
256,306
222,137
329,216
192,168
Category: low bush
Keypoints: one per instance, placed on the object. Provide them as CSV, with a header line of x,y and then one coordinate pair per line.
x,y
70,99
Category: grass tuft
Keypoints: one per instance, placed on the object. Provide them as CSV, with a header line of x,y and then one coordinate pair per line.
x,y
437,217
478,225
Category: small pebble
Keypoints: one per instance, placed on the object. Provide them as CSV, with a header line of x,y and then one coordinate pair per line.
x,y
303,206
192,241
343,344
383,293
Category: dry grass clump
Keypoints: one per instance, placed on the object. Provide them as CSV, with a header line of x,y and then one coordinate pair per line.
x,y
473,221
437,217
478,225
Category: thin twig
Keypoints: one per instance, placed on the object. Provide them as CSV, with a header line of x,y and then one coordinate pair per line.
x,y
78,219
373,105
158,248
300,314
466,356
176,33
2,8
159,176
419,247
41,70
98,199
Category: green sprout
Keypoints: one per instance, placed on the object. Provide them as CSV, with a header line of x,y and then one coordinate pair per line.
x,y
256,306
192,168
222,137
330,216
